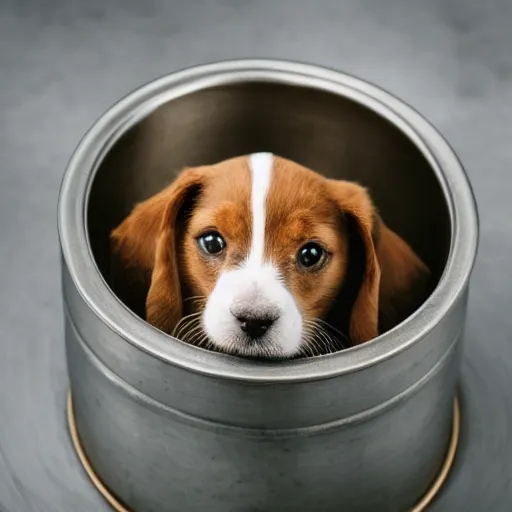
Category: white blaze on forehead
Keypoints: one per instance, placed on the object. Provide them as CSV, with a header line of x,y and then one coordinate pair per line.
x,y
254,289
261,172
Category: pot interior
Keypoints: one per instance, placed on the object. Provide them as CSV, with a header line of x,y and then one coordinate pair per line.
x,y
325,132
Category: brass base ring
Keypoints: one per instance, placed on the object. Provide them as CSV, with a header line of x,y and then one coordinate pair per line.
x,y
118,507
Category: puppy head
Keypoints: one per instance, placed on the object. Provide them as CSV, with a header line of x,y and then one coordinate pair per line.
x,y
255,250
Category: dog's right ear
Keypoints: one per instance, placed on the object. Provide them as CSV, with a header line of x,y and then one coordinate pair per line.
x,y
144,244
395,280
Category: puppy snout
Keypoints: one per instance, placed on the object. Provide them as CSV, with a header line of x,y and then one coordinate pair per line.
x,y
255,327
254,324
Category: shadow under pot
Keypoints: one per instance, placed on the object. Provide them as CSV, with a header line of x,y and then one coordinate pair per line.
x,y
167,426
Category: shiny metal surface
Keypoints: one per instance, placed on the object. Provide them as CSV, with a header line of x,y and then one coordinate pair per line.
x,y
172,427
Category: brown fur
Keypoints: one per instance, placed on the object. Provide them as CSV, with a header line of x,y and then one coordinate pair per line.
x,y
149,237
299,210
159,239
392,269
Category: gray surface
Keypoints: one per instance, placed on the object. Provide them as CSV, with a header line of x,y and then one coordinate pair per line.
x,y
63,63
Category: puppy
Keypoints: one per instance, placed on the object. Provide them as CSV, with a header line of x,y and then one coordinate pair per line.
x,y
258,256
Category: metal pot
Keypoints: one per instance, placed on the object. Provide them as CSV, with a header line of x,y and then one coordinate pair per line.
x,y
171,427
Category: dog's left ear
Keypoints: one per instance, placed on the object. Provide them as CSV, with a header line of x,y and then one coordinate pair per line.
x,y
395,280
145,243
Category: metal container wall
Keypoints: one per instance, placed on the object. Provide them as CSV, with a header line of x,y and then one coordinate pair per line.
x,y
170,427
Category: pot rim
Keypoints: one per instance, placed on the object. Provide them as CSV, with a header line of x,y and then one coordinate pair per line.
x,y
81,170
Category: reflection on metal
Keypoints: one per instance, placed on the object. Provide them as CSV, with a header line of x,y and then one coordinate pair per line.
x,y
118,507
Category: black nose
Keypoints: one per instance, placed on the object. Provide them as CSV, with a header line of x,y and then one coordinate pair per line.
x,y
255,327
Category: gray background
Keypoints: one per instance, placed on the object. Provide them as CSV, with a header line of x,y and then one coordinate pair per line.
x,y
63,62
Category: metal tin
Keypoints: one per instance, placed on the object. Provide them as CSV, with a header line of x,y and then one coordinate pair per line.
x,y
171,427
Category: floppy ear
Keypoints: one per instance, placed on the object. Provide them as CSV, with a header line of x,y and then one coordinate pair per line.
x,y
145,245
395,280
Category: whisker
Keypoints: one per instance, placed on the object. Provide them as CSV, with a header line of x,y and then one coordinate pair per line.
x,y
190,328
306,347
316,345
195,297
332,328
318,340
203,342
199,339
327,342
187,328
187,317
324,340
332,340
190,333
184,323
313,345
339,337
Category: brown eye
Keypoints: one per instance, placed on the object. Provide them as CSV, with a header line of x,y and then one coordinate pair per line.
x,y
311,256
211,243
